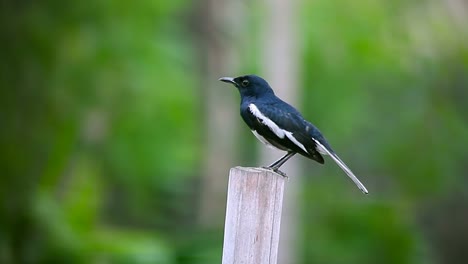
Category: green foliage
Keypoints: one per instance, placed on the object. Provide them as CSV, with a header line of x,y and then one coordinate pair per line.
x,y
101,125
360,231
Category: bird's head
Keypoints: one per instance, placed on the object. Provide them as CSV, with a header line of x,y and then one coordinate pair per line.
x,y
249,85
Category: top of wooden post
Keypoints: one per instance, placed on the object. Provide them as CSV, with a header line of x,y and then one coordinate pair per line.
x,y
253,216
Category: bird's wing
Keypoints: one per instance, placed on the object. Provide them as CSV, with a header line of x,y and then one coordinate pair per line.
x,y
287,124
325,150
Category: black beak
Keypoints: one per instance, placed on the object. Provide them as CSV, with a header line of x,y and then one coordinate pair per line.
x,y
227,80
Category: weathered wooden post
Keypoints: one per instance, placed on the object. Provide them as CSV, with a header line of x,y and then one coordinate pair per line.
x,y
253,216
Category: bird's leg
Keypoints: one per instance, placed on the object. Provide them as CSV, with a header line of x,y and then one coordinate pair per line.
x,y
277,164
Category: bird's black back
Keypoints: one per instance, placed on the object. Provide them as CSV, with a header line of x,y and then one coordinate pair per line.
x,y
287,118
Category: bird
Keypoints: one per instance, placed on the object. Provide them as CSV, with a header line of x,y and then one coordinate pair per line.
x,y
279,125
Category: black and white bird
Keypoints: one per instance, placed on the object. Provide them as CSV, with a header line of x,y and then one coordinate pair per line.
x,y
279,125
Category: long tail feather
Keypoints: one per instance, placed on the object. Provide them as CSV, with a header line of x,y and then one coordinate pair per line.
x,y
342,166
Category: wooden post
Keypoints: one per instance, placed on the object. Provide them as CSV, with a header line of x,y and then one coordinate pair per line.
x,y
253,216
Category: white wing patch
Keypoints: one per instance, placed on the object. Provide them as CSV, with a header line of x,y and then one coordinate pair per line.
x,y
321,149
294,140
281,133
266,121
324,150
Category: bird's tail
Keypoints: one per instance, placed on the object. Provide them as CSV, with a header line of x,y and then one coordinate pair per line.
x,y
342,165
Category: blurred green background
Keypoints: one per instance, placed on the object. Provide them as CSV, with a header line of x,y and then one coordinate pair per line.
x,y
117,138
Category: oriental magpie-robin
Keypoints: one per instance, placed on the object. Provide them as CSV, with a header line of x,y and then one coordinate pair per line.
x,y
279,125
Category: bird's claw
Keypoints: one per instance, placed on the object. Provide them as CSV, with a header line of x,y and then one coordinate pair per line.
x,y
276,171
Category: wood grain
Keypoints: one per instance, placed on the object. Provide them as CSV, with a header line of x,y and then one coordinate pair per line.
x,y
253,216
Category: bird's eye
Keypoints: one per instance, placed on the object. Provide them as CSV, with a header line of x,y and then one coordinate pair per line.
x,y
245,83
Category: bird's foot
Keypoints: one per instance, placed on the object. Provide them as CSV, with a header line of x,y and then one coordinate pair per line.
x,y
276,170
